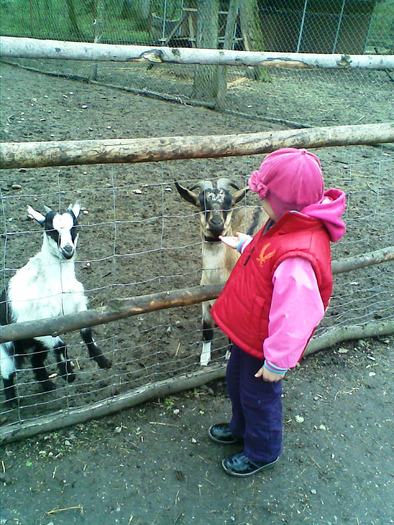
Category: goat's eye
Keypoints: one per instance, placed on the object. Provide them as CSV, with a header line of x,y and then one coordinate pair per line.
x,y
74,231
53,234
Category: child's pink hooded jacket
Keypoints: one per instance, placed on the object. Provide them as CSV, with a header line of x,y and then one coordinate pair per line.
x,y
296,307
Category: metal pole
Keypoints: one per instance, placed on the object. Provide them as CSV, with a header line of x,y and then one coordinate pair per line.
x,y
163,38
302,26
368,33
339,27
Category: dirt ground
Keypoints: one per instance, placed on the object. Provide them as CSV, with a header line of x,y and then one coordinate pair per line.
x,y
154,464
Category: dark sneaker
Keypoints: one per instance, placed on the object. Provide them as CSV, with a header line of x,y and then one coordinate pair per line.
x,y
221,433
240,465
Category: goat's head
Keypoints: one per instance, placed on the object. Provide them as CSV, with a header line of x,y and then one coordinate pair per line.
x,y
60,229
215,204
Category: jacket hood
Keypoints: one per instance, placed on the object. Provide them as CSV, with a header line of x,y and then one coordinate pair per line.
x,y
329,211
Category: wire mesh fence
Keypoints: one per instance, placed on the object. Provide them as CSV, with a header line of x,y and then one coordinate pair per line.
x,y
137,235
338,26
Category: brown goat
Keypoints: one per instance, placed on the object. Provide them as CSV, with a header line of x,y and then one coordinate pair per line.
x,y
219,216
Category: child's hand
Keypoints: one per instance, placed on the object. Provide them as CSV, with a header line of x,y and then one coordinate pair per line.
x,y
233,240
268,376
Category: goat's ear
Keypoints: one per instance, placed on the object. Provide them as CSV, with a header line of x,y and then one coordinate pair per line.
x,y
188,195
36,215
240,194
76,209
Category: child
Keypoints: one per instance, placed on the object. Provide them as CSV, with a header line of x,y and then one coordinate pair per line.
x,y
274,299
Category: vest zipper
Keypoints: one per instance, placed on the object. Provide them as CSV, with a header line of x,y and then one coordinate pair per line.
x,y
249,256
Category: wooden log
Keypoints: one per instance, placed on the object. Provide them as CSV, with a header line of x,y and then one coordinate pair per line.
x,y
116,309
73,416
77,152
167,387
35,48
361,261
348,333
122,308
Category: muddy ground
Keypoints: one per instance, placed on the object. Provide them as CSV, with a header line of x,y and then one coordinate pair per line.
x,y
154,464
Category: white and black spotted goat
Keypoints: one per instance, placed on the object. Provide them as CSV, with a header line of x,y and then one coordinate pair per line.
x,y
219,217
46,287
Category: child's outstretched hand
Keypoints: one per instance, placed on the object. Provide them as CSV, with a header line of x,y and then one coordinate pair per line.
x,y
268,376
234,240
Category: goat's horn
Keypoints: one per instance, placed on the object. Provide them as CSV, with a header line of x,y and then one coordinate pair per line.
x,y
225,184
47,209
202,185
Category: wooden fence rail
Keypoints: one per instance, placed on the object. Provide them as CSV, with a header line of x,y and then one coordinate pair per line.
x,y
122,308
73,416
78,152
18,47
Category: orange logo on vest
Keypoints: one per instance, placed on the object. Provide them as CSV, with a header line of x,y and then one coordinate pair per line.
x,y
264,257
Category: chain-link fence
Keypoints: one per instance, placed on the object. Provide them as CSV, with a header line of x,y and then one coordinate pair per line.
x,y
313,26
320,26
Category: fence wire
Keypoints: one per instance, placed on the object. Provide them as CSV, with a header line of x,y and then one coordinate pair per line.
x,y
137,235
314,26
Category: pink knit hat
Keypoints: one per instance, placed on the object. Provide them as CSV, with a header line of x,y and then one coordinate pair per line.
x,y
289,179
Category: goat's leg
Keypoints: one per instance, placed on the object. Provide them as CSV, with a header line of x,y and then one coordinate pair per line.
x,y
8,372
94,351
207,334
64,364
9,389
38,357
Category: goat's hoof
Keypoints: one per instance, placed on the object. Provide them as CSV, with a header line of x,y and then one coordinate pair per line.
x,y
47,385
103,362
12,402
69,377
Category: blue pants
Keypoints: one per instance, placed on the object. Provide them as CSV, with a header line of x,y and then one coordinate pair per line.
x,y
256,407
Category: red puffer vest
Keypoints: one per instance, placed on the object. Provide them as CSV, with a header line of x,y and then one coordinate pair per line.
x,y
242,309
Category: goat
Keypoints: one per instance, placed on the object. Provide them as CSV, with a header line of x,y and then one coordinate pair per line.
x,y
46,287
219,217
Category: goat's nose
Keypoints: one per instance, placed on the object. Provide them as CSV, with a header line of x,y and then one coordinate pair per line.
x,y
216,222
68,251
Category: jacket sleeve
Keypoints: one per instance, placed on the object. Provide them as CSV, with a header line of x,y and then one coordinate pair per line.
x,y
296,309
243,242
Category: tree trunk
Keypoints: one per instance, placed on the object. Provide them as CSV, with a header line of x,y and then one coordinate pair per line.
x,y
252,33
80,152
127,9
227,44
137,10
73,22
205,85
